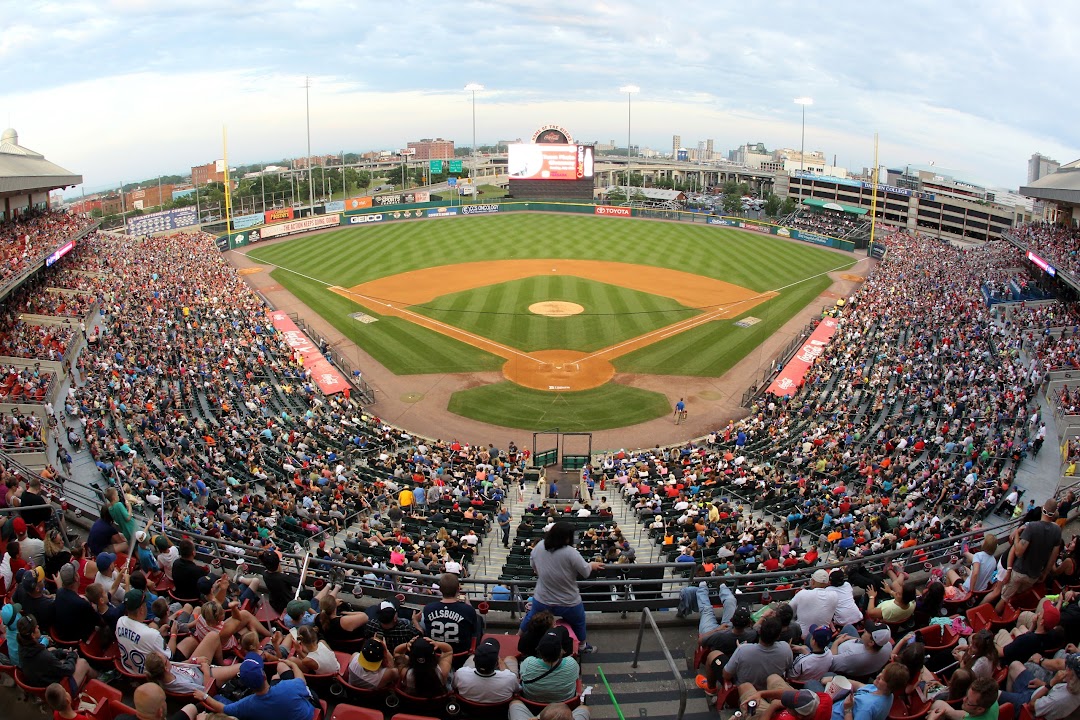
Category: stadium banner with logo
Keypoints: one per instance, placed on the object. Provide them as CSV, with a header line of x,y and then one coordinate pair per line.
x,y
358,203
298,226
720,221
479,209
441,212
335,206
279,214
362,219
812,237
242,222
420,196
162,221
324,374
612,211
791,377
756,228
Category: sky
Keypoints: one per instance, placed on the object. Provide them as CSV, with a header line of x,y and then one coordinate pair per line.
x,y
125,90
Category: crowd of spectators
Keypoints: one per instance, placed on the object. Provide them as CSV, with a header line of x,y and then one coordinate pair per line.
x,y
31,236
829,222
1057,244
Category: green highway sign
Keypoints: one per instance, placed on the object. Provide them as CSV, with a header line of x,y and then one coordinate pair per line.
x,y
455,166
436,166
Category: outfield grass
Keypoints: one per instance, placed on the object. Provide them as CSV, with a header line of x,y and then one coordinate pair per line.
x,y
351,256
609,406
501,312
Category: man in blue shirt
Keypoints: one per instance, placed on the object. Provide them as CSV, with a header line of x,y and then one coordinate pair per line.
x,y
286,697
504,524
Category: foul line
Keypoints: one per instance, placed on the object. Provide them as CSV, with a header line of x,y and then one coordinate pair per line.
x,y
505,351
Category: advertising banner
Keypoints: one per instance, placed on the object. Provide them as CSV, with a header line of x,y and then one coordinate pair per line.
x,y
612,211
719,221
182,193
418,197
60,252
324,374
812,237
365,219
549,162
241,239
335,206
401,198
242,222
162,221
479,209
297,226
877,250
358,203
1042,264
756,228
441,212
682,155
278,215
791,377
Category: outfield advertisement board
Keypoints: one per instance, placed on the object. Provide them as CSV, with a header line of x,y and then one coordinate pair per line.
x,y
162,221
720,221
756,228
545,161
401,198
358,203
479,209
242,222
324,374
612,211
365,219
335,206
273,216
297,226
792,375
441,212
812,237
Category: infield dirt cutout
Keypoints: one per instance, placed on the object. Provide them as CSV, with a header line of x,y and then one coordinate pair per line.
x,y
554,370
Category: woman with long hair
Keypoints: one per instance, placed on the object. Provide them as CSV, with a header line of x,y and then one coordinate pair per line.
x,y
428,665
558,566
980,656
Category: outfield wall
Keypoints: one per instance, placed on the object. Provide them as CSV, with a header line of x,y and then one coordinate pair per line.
x,y
434,210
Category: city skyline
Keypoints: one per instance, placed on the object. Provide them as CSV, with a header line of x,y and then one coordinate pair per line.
x,y
127,90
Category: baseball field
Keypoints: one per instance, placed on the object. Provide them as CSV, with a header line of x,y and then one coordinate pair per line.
x,y
567,308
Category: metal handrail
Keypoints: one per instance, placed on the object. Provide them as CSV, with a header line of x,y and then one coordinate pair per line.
x,y
646,614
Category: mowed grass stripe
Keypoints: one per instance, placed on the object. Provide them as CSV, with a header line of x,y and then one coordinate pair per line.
x,y
612,314
350,256
609,406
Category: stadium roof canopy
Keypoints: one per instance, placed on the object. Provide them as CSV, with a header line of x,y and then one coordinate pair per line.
x,y
829,205
1062,186
23,170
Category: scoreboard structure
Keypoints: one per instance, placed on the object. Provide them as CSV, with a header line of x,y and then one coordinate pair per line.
x,y
553,166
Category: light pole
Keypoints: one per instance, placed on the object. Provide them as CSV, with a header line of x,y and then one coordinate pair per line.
x,y
629,90
804,101
473,87
307,112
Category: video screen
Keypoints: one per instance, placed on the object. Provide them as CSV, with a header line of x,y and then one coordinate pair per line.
x,y
544,161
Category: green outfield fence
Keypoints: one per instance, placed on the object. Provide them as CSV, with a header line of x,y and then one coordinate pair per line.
x,y
433,210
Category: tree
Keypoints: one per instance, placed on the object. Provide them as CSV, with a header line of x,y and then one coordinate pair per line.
x,y
788,206
731,188
772,205
615,196
732,203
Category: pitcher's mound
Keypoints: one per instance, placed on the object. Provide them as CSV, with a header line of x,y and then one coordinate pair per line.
x,y
556,308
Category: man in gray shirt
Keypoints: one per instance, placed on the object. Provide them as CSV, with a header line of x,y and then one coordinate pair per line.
x,y
752,663
1032,556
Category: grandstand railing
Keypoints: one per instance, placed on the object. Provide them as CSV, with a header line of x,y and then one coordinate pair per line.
x,y
646,616
627,588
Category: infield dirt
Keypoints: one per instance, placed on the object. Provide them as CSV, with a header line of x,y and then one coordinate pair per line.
x,y
554,370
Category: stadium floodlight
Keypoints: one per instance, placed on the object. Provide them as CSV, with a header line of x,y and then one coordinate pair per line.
x,y
804,101
473,88
629,90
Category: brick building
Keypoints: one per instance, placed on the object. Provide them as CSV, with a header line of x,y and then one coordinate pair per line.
x,y
153,196
208,173
437,149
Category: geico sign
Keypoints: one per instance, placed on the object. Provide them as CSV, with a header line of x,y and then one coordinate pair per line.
x,y
611,210
359,219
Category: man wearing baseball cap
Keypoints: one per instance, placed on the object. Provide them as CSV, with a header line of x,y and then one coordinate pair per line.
x,y
815,605
286,696
815,659
34,600
31,549
486,677
75,618
1059,697
783,702
862,654
394,629
373,667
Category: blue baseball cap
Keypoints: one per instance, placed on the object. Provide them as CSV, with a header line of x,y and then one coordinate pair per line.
x,y
252,675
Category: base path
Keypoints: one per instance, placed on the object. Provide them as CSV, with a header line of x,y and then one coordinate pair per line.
x,y
554,370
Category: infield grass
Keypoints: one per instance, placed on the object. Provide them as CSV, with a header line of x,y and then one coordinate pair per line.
x,y
501,312
351,256
608,406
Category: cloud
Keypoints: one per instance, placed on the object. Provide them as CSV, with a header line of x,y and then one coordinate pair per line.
x,y
144,87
